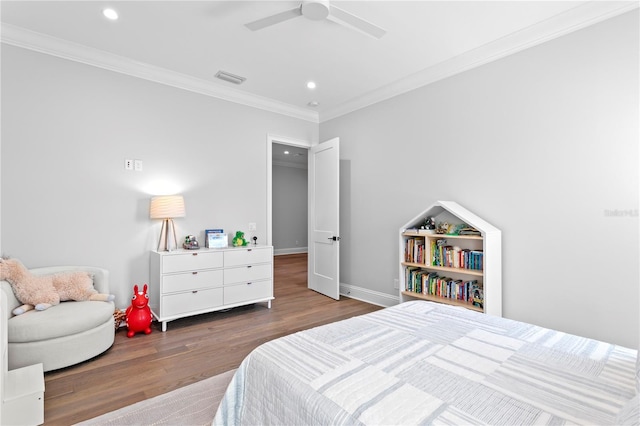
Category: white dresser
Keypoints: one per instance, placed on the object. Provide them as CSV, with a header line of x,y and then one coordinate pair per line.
x,y
190,282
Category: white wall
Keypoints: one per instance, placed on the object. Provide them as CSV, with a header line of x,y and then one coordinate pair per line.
x,y
67,129
542,144
289,209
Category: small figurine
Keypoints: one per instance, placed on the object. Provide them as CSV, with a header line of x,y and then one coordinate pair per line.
x,y
429,223
139,314
190,243
238,240
443,228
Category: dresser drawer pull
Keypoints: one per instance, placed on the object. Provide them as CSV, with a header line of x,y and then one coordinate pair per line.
x,y
194,254
195,273
249,283
249,249
248,266
194,291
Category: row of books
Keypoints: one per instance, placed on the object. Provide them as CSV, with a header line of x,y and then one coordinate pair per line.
x,y
455,257
443,255
420,281
414,250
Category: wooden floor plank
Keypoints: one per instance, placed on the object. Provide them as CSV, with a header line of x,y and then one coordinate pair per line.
x,y
191,350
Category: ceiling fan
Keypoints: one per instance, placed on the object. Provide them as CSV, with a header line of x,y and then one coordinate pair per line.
x,y
317,10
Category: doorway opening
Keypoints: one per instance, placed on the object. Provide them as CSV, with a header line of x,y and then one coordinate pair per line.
x,y
287,219
323,222
290,199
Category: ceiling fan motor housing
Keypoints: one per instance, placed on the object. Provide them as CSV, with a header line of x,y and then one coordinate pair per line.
x,y
315,10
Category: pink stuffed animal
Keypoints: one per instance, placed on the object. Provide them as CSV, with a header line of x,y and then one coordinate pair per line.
x,y
42,292
139,313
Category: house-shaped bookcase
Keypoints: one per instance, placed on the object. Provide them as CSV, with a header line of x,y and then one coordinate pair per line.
x,y
461,267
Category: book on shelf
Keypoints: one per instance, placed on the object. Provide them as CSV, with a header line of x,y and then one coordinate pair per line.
x,y
414,251
468,230
431,283
413,279
455,257
477,295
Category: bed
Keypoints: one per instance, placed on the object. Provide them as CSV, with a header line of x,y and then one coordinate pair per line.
x,y
421,362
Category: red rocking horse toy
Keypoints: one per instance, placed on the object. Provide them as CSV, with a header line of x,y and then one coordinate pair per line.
x,y
139,314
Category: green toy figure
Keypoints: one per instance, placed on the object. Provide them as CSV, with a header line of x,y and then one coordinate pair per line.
x,y
238,240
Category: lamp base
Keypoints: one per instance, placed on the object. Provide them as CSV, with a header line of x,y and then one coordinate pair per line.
x,y
165,234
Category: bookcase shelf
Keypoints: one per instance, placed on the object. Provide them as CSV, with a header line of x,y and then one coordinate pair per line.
x,y
450,237
445,269
439,299
460,270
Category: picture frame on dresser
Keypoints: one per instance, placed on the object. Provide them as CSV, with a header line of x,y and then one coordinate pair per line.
x,y
216,240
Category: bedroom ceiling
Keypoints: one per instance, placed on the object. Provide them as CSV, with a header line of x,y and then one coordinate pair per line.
x,y
185,43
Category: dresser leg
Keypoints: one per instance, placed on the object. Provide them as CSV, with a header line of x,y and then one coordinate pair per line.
x,y
164,326
269,304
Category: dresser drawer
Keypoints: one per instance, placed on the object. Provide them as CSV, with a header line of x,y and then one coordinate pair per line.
x,y
251,291
191,281
247,273
247,256
197,300
184,262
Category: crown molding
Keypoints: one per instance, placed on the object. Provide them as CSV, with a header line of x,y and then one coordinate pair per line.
x,y
20,37
572,20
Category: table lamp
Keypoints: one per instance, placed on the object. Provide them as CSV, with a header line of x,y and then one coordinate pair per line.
x,y
167,207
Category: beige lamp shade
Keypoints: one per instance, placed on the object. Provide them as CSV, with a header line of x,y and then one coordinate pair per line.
x,y
166,207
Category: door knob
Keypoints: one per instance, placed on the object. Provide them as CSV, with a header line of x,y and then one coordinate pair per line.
x,y
334,238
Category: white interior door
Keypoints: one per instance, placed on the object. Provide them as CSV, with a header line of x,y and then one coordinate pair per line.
x,y
324,221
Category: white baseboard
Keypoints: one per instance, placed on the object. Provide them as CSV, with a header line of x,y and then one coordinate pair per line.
x,y
369,296
293,250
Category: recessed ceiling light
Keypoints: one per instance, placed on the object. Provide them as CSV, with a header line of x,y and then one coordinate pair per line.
x,y
311,85
110,14
313,104
286,152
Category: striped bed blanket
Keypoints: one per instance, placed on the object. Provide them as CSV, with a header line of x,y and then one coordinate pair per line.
x,y
427,363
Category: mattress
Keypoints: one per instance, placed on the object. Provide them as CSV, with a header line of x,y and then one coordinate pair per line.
x,y
427,363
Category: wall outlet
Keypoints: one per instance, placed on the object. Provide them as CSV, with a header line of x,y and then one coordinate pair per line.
x,y
137,165
252,226
128,164
396,284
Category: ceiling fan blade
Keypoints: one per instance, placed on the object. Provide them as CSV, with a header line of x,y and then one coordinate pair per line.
x,y
274,19
358,23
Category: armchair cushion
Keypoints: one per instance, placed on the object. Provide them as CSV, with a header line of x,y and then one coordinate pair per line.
x,y
68,318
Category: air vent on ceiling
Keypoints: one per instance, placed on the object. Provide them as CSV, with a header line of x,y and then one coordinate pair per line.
x,y
231,78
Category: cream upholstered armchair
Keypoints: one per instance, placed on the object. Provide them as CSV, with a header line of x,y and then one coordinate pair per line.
x,y
64,334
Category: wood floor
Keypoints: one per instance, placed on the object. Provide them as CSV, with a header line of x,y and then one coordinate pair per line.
x,y
191,349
